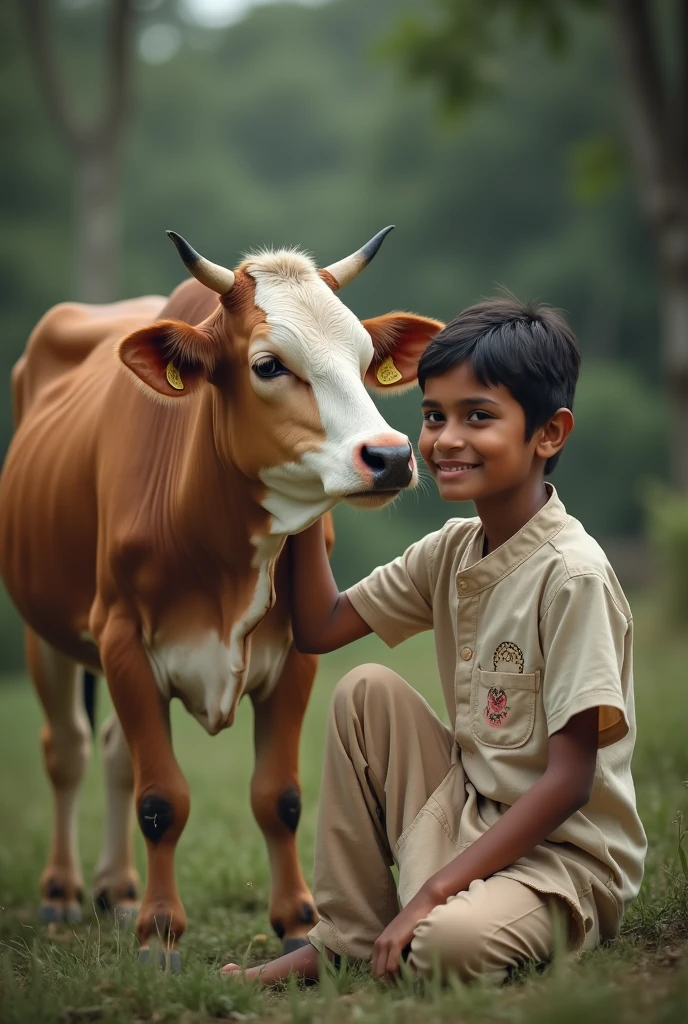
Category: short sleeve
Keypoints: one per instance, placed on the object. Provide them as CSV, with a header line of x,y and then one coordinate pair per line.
x,y
585,640
396,599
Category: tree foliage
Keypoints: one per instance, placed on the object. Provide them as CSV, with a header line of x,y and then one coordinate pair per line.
x,y
289,128
459,44
458,48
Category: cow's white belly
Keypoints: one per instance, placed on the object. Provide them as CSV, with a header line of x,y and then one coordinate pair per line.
x,y
209,675
266,663
207,680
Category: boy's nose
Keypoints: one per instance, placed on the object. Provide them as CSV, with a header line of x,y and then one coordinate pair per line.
x,y
450,444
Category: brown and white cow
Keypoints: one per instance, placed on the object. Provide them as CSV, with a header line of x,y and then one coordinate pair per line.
x,y
164,451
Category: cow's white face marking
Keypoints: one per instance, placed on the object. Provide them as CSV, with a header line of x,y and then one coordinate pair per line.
x,y
209,675
324,344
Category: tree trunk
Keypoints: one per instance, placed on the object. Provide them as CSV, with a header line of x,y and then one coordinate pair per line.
x,y
95,145
657,139
675,350
97,224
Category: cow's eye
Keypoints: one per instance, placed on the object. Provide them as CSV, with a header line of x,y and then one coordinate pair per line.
x,y
270,366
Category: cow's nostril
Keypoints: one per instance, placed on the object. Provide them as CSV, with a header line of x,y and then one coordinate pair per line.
x,y
372,458
390,465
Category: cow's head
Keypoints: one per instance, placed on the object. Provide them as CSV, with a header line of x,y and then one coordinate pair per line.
x,y
289,365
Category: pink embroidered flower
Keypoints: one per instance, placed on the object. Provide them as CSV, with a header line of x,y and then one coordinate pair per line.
x,y
496,709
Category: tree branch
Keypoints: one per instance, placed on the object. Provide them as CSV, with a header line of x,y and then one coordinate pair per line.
x,y
117,99
77,133
681,118
47,74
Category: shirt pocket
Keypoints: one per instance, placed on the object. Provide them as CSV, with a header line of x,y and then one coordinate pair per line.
x,y
503,707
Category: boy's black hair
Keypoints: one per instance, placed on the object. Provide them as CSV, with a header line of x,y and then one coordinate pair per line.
x,y
526,347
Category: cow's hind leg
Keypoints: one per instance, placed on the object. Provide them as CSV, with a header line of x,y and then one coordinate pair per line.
x,y
276,796
66,743
161,793
116,885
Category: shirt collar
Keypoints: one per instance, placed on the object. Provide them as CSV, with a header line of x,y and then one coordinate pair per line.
x,y
485,572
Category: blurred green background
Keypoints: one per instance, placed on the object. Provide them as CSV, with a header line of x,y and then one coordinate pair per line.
x,y
296,124
493,134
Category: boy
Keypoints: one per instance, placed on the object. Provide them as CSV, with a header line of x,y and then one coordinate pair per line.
x,y
525,809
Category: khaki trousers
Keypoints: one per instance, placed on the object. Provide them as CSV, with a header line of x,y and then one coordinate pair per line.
x,y
392,783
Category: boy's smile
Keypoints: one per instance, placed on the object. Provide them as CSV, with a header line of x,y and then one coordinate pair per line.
x,y
473,438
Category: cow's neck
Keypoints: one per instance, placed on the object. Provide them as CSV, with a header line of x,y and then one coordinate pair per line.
x,y
217,505
283,499
231,553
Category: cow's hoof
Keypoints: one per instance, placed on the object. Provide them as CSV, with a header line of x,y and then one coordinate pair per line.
x,y
168,960
174,962
289,945
52,913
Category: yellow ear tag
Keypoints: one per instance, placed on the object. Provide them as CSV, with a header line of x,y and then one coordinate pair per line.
x,y
387,372
173,378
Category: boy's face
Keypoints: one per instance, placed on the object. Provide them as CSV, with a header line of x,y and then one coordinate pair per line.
x,y
473,437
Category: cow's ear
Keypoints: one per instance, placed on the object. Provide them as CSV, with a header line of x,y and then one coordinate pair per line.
x,y
399,340
170,357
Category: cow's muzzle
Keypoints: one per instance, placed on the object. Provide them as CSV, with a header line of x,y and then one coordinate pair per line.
x,y
391,466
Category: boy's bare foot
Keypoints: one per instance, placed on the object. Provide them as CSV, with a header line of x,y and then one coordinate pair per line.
x,y
303,963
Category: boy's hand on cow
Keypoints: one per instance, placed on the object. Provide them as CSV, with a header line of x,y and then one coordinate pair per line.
x,y
399,932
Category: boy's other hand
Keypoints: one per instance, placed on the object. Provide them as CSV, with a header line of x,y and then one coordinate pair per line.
x,y
399,932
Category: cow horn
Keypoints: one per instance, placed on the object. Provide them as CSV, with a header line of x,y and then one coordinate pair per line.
x,y
347,269
213,276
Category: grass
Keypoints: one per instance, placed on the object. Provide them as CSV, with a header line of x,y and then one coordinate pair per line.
x,y
88,972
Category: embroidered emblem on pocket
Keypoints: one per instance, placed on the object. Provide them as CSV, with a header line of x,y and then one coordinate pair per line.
x,y
510,656
496,708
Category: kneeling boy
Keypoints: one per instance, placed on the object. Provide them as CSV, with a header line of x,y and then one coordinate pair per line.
x,y
525,809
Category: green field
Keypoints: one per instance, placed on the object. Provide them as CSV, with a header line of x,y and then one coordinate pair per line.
x,y
89,972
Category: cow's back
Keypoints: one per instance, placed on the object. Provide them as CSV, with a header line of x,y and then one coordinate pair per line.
x,y
66,335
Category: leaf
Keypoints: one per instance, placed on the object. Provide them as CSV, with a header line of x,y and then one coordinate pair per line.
x,y
596,168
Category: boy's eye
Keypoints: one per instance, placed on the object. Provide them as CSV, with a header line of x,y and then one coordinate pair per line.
x,y
478,416
433,417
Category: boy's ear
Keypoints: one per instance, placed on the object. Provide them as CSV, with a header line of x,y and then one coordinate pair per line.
x,y
170,357
553,433
399,340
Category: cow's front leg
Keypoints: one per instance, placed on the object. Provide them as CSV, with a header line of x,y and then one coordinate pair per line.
x,y
276,796
161,794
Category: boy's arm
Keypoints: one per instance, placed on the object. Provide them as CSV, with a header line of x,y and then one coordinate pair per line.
x,y
563,789
322,618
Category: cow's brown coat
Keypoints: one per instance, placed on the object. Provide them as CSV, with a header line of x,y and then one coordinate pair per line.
x,y
126,522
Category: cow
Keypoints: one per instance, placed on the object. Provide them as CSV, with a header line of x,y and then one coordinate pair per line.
x,y
164,451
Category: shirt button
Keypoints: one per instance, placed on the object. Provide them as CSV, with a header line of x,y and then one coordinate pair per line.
x,y
466,653
463,584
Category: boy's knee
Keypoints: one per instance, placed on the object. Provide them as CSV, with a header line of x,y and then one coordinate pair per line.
x,y
494,925
447,943
364,682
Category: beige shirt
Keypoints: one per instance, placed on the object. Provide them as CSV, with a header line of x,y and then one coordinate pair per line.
x,y
526,637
